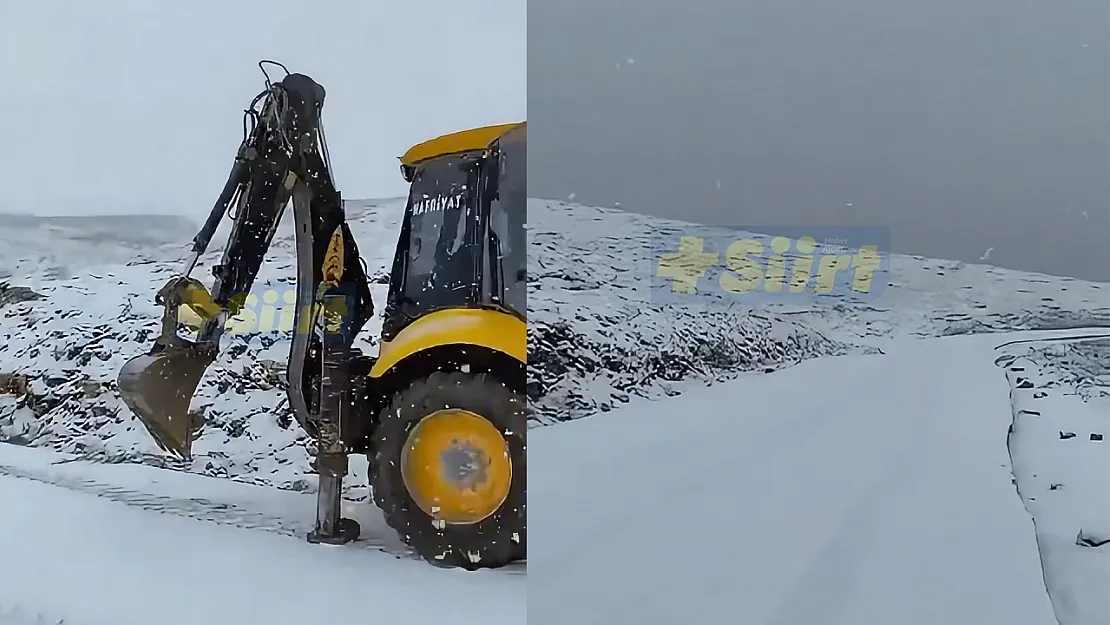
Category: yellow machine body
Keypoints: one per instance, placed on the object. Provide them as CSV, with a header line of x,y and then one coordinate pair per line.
x,y
489,329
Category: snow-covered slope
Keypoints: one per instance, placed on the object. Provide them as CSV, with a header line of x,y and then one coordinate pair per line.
x,y
68,247
1060,400
597,339
590,271
902,437
71,341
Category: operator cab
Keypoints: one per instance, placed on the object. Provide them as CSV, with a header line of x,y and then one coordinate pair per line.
x,y
462,242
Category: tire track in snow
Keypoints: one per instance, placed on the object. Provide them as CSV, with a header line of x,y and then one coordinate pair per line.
x,y
830,580
198,509
675,486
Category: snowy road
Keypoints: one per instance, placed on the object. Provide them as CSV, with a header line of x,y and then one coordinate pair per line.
x,y
92,547
860,490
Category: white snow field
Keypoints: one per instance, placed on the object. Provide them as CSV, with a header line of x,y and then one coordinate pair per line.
x,y
843,491
117,544
823,462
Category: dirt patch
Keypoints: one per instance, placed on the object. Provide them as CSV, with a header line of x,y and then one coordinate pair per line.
x,y
13,384
15,294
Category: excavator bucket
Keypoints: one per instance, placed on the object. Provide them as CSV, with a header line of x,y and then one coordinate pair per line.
x,y
158,387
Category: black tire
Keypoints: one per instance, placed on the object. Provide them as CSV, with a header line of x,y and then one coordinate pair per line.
x,y
499,539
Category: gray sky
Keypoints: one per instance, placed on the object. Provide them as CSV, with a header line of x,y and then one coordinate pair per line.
x,y
123,106
961,124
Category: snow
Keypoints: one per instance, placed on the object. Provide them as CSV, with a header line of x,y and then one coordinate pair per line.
x,y
845,490
597,338
590,349
1060,396
89,539
825,460
96,311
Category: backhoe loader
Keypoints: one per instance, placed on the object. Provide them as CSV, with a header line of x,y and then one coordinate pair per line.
x,y
439,411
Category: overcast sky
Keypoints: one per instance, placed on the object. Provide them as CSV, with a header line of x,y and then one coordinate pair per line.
x,y
124,106
961,124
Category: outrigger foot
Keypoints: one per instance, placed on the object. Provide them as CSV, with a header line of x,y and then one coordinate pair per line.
x,y
331,528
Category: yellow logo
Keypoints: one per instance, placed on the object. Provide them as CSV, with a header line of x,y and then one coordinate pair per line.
x,y
270,316
780,266
686,266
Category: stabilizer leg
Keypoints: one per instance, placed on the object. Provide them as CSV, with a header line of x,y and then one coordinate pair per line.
x,y
331,456
331,527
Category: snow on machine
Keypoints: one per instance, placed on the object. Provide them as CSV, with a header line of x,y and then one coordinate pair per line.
x,y
439,412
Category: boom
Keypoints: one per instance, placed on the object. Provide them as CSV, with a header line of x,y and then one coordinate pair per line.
x,y
283,157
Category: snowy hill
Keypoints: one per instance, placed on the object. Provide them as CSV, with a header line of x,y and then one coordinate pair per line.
x,y
597,339
70,339
885,492
67,247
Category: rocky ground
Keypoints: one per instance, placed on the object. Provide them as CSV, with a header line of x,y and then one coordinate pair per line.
x,y
77,303
71,317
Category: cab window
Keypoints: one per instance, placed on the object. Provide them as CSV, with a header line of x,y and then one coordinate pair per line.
x,y
508,213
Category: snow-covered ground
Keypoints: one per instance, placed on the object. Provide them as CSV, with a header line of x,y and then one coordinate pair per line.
x,y
848,463
590,300
1060,396
93,311
120,544
850,490
862,488
589,352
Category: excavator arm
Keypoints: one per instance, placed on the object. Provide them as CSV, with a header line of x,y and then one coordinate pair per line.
x,y
283,158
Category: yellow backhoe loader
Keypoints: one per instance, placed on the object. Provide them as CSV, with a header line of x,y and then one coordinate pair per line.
x,y
439,411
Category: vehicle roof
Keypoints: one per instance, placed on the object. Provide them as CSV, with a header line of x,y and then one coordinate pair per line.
x,y
456,142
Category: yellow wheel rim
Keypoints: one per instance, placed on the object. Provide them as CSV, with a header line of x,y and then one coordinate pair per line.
x,y
456,466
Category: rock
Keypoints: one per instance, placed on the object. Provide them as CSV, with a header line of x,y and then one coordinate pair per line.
x,y
16,294
1089,539
13,384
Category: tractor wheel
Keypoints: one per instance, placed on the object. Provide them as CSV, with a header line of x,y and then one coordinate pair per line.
x,y
449,469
